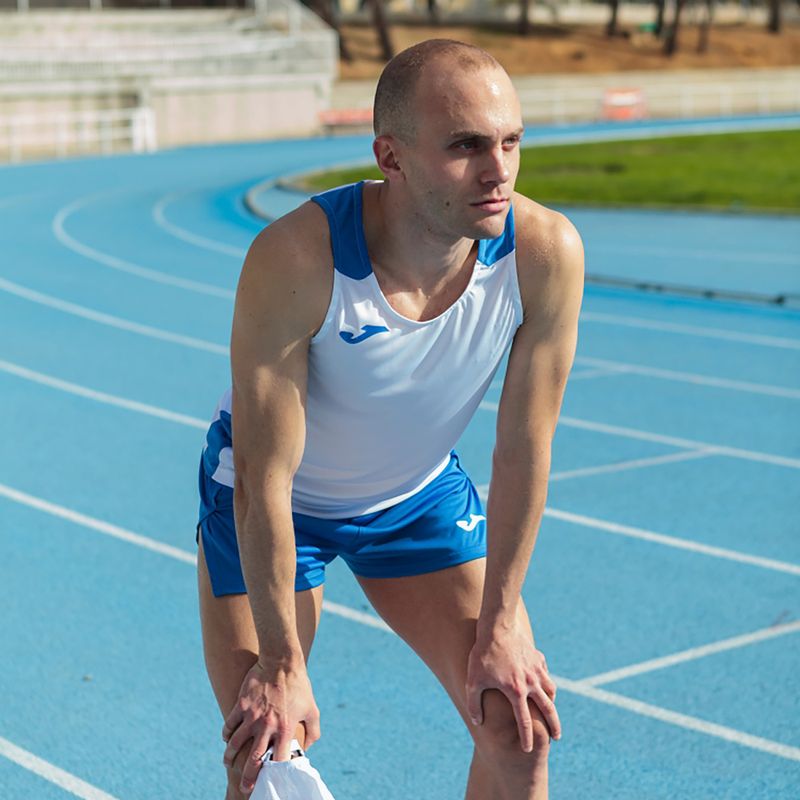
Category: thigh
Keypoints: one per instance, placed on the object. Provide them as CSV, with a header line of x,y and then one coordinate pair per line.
x,y
230,644
436,615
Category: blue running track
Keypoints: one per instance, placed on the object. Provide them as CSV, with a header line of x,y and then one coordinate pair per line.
x,y
665,586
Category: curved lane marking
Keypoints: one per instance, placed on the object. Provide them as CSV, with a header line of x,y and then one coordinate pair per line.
x,y
129,267
160,218
110,319
102,397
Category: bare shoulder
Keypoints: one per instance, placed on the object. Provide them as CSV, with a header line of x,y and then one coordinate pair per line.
x,y
549,253
288,270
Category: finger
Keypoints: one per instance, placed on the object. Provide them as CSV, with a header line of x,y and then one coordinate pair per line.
x,y
253,763
238,739
282,744
524,723
548,709
474,705
232,722
311,724
550,688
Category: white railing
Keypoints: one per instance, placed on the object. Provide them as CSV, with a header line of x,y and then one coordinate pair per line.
x,y
313,52
76,133
568,104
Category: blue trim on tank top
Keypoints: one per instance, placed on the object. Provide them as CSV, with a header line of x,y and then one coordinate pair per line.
x,y
343,207
490,251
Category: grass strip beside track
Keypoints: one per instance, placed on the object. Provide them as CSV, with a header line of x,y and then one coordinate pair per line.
x,y
731,171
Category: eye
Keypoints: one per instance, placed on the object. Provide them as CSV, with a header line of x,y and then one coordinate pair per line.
x,y
511,142
466,145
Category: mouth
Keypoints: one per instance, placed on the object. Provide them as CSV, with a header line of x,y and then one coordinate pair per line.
x,y
492,205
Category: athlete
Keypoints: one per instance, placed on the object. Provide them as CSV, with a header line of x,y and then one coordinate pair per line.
x,y
368,325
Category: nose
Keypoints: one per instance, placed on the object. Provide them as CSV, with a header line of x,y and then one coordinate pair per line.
x,y
496,170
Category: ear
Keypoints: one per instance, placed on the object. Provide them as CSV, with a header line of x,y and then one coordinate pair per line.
x,y
386,149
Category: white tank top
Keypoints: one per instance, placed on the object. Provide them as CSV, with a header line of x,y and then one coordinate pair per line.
x,y
388,397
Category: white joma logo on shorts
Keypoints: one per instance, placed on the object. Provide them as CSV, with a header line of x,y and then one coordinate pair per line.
x,y
474,519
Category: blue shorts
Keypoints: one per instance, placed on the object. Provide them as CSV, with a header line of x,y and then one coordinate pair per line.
x,y
440,526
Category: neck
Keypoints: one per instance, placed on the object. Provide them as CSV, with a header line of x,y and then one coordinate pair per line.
x,y
403,246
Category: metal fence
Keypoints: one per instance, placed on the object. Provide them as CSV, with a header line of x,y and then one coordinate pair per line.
x,y
77,133
576,104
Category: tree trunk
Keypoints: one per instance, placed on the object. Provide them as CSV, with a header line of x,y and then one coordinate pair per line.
x,y
774,18
327,11
433,12
382,28
611,28
705,26
660,6
524,26
671,43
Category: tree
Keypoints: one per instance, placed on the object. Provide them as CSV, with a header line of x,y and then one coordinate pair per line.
x,y
381,28
659,27
524,25
611,28
705,26
671,42
774,17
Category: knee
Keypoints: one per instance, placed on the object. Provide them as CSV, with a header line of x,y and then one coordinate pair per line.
x,y
235,774
498,741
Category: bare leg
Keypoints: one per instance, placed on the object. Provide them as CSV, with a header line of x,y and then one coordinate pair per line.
x,y
436,614
231,647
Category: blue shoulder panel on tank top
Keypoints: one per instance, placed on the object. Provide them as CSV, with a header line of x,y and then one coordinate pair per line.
x,y
342,206
490,251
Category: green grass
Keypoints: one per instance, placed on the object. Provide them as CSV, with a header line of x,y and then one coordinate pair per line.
x,y
732,171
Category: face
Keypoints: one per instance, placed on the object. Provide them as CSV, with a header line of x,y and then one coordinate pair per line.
x,y
461,167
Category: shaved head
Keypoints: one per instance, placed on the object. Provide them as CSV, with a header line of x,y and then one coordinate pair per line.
x,y
394,112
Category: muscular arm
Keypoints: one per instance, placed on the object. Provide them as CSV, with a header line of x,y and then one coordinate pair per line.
x,y
551,284
281,301
550,268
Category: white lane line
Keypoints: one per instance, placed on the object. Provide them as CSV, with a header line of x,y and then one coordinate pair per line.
x,y
661,538
673,441
110,319
697,253
636,463
160,217
51,773
692,654
672,541
356,616
680,720
691,330
59,231
101,397
656,712
693,378
98,525
582,374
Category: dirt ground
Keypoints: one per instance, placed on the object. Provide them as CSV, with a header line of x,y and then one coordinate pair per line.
x,y
576,49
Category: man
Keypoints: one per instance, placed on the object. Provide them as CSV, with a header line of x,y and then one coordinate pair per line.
x,y
368,324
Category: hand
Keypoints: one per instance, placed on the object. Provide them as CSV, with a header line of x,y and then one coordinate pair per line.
x,y
510,663
272,701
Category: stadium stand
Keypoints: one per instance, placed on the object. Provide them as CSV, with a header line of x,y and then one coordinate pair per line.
x,y
79,81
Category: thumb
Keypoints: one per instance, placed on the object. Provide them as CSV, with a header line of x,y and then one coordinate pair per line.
x,y
474,707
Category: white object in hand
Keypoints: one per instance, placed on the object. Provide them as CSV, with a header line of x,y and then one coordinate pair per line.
x,y
295,779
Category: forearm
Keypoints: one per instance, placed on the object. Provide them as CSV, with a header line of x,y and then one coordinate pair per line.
x,y
516,503
265,534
